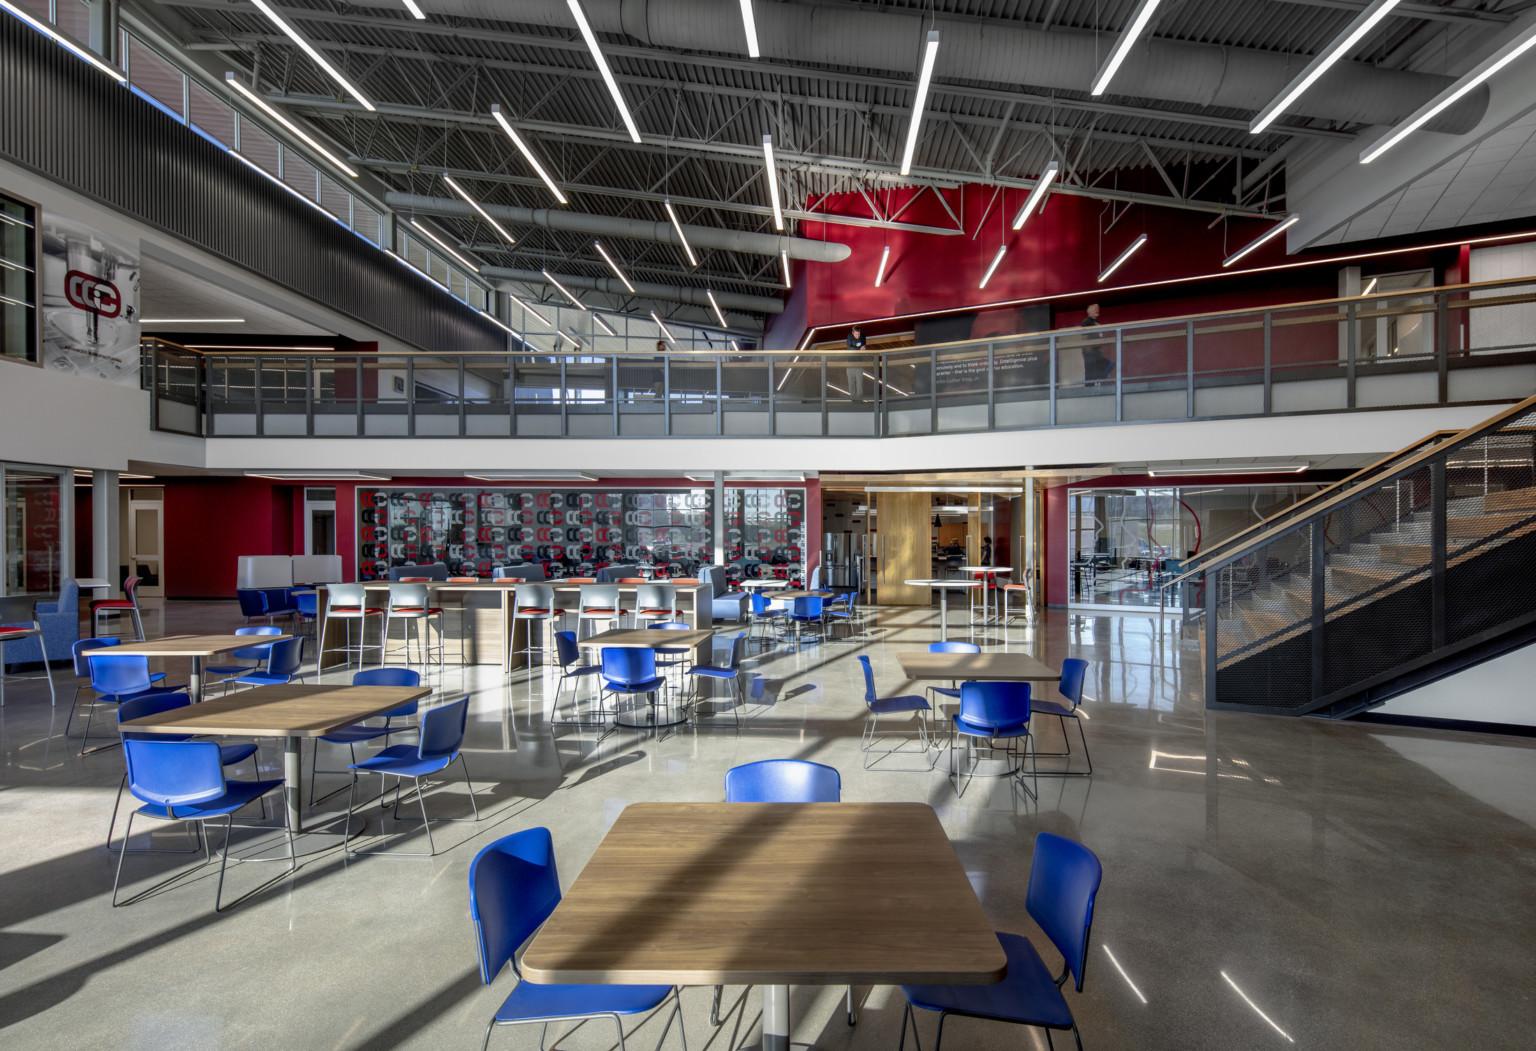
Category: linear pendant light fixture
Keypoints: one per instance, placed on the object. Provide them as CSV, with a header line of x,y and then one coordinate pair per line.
x,y
565,291
260,103
319,59
924,80
598,319
784,258
665,331
885,255
1447,98
773,182
1342,45
444,245
602,67
687,248
1037,195
992,269
715,304
1130,250
415,10
749,23
64,42
522,147
1274,231
1133,29
613,266
528,309
456,188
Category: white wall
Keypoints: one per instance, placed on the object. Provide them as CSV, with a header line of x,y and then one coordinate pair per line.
x,y
1502,326
1497,691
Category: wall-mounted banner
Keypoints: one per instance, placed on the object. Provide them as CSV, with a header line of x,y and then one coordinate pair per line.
x,y
90,302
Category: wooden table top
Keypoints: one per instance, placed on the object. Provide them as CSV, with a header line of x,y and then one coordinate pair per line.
x,y
187,646
282,711
1003,570
757,583
943,583
647,638
980,667
772,894
787,596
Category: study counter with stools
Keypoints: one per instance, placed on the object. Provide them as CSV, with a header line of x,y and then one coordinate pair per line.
x,y
486,629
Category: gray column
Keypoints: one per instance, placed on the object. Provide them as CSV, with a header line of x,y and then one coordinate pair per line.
x,y
719,518
104,525
1030,540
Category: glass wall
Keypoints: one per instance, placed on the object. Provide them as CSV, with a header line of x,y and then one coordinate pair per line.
x,y
34,531
18,279
765,534
1123,544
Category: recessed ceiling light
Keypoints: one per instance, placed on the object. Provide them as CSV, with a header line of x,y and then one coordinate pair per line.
x,y
319,476
191,320
531,476
1191,470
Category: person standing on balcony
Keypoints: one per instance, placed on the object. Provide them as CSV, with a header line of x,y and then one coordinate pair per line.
x,y
856,341
1097,366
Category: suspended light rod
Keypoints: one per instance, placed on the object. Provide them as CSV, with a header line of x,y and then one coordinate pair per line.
x,y
1130,250
319,59
1133,29
1341,46
522,147
564,291
444,245
687,248
1037,195
613,266
924,81
602,67
998,258
749,23
456,188
885,255
716,306
1274,231
233,82
773,182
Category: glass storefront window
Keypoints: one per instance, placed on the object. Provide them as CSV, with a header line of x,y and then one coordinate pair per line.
x,y
34,532
18,279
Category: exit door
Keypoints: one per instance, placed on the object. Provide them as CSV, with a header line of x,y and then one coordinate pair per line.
x,y
145,544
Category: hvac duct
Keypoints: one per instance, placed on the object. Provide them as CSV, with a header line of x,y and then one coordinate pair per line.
x,y
639,229
643,289
864,38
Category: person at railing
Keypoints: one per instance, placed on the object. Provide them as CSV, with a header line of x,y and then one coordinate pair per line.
x,y
855,369
1097,366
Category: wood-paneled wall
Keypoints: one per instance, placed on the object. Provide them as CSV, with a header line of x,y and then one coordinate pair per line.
x,y
905,522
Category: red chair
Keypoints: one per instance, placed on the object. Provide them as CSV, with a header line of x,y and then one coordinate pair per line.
x,y
118,606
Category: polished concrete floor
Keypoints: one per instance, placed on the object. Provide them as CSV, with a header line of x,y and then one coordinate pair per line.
x,y
1268,883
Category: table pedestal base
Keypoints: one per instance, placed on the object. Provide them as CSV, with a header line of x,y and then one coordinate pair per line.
x,y
649,717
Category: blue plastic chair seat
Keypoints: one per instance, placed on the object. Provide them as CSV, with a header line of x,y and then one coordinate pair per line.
x,y
909,702
402,760
262,678
1046,706
1028,994
647,686
970,729
119,698
237,794
710,671
228,669
536,1003
230,754
946,691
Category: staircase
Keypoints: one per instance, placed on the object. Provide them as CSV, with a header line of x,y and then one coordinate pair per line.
x,y
1407,572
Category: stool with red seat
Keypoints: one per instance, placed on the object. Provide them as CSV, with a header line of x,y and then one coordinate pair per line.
x,y
656,602
409,602
534,604
349,602
117,607
1020,591
598,602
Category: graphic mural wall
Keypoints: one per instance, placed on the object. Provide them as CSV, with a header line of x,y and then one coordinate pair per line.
x,y
90,302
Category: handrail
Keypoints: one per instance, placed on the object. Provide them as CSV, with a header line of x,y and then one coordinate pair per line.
x,y
1447,447
1359,476
1094,334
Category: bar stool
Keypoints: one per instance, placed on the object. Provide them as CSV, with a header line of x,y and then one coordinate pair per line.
x,y
463,612
349,602
408,602
534,604
1010,591
116,607
598,602
981,598
656,602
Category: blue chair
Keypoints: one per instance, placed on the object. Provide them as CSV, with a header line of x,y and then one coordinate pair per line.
x,y
60,624
991,712
1063,882
82,663
844,609
803,611
284,659
952,691
569,656
360,733
729,672
115,679
783,781
668,657
184,781
513,888
442,737
154,704
875,707
307,606
252,603
1073,671
630,672
249,653
764,614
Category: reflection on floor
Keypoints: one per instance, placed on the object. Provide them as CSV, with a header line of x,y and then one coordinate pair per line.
x,y
1268,882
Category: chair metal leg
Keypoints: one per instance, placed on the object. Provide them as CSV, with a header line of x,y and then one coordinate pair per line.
x,y
118,878
218,892
469,786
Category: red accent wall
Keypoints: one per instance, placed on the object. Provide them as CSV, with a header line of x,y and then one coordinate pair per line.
x,y
210,522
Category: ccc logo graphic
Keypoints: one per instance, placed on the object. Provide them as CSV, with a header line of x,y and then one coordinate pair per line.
x,y
86,292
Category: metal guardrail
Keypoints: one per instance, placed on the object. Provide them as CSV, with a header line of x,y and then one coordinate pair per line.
x,y
1452,345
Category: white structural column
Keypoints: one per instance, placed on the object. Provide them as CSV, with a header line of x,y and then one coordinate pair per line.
x,y
720,518
104,525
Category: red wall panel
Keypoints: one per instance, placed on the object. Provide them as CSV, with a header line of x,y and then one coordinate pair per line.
x,y
210,522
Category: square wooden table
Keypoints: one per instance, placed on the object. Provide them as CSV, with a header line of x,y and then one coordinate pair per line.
x,y
197,647
770,894
290,712
989,666
664,714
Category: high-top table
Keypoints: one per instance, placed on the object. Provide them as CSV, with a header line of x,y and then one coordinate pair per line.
x,y
770,894
980,573
290,712
196,647
695,639
943,587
